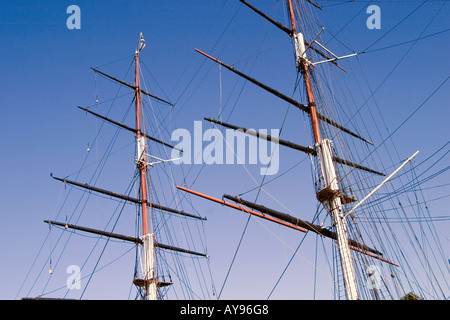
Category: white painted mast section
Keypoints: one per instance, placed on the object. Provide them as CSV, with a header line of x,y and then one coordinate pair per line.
x,y
300,51
333,205
149,267
141,144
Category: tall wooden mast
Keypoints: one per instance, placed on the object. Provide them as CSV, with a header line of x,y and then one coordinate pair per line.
x,y
148,249
329,193
141,146
147,279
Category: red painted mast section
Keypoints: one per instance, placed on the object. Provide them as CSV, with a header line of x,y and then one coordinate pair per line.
x,y
141,165
309,91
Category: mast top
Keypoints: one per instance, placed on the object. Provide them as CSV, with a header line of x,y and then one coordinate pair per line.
x,y
141,44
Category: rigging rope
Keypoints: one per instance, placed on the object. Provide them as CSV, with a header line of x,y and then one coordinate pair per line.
x,y
62,206
170,232
400,22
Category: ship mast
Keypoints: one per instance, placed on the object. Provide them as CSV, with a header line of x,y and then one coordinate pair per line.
x,y
329,195
148,280
148,248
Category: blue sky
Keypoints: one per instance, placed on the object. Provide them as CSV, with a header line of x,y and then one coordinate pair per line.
x,y
46,74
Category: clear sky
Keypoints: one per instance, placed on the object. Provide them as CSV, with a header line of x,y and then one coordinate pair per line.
x,y
45,74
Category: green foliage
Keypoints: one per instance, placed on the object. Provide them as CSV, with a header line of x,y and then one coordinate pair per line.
x,y
410,296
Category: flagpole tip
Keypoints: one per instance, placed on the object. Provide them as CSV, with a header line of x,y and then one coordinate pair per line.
x,y
141,43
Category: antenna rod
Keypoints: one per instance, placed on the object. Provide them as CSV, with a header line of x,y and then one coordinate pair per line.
x,y
379,186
